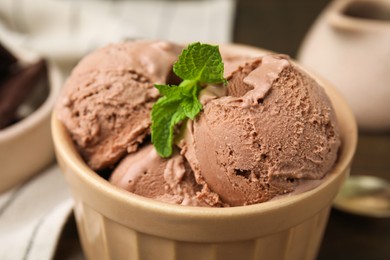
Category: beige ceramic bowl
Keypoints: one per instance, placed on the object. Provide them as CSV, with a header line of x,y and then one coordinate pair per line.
x,y
115,224
26,147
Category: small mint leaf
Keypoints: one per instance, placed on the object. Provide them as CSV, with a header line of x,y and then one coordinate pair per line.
x,y
191,107
190,102
166,114
200,62
166,90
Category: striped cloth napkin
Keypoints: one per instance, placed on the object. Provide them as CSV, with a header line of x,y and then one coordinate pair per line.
x,y
33,215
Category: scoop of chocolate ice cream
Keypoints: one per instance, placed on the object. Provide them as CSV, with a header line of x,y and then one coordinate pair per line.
x,y
169,180
274,129
106,102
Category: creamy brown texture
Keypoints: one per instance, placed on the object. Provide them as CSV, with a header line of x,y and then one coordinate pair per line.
x,y
275,128
269,132
170,180
106,102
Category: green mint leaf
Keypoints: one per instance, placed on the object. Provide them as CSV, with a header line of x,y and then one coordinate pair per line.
x,y
166,114
178,103
167,90
200,62
190,102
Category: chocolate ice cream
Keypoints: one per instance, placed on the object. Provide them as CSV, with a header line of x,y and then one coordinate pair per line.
x,y
274,129
170,180
107,100
270,130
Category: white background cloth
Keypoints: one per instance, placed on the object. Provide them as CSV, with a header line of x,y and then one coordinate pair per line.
x,y
67,30
33,214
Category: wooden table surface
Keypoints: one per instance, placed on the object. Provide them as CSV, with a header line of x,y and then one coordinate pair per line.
x,y
280,26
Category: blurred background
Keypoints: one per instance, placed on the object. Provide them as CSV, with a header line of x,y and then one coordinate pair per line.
x,y
278,25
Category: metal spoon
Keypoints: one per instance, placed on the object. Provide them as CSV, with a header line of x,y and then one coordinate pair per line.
x,y
365,195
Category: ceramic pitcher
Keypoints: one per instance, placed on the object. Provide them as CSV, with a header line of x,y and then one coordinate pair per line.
x,y
349,45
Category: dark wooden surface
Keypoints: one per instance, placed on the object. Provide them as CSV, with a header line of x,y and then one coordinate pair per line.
x,y
280,25
355,237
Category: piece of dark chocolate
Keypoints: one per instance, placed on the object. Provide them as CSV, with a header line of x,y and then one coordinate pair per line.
x,y
17,87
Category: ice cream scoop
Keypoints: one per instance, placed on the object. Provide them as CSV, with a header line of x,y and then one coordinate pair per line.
x,y
275,129
170,180
106,102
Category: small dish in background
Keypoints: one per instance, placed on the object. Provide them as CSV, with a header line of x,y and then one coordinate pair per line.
x,y
365,195
25,139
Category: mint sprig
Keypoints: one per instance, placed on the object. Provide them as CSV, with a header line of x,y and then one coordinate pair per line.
x,y
198,65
